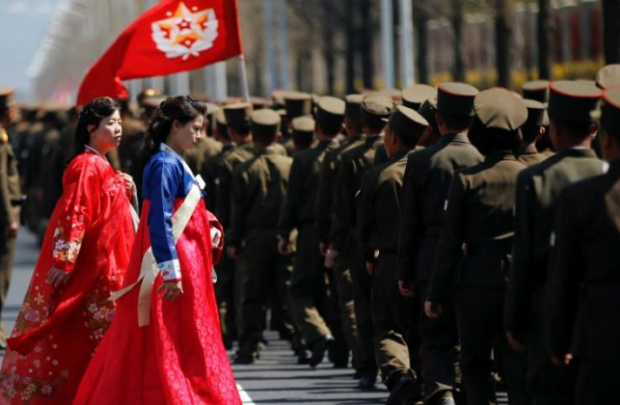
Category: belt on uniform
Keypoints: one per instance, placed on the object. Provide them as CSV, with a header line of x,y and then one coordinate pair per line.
x,y
497,247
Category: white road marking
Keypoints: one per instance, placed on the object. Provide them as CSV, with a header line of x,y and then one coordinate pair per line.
x,y
245,398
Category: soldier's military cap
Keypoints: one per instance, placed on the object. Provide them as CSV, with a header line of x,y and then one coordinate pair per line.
x,y
265,122
571,101
330,111
238,115
610,119
153,102
456,99
220,117
212,109
428,109
608,77
353,108
6,98
378,105
259,102
395,94
277,98
149,92
537,90
297,104
499,109
407,122
415,95
303,125
535,113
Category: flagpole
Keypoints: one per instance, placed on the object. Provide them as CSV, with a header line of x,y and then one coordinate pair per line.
x,y
243,76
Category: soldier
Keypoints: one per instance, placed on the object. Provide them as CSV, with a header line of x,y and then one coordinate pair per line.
x,y
302,134
538,90
375,110
343,291
425,189
608,77
297,105
308,288
583,285
415,95
531,132
479,214
538,187
377,228
10,201
428,110
259,187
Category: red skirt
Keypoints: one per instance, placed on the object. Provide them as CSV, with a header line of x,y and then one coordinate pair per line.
x,y
178,359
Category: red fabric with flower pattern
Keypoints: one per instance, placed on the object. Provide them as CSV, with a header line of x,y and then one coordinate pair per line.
x,y
178,359
90,235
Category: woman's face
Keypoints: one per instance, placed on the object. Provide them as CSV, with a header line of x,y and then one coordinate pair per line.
x,y
185,136
107,136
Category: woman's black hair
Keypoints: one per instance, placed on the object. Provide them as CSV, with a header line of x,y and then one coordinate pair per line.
x,y
92,114
182,109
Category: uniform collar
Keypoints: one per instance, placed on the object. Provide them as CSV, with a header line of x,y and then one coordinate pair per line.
x,y
454,138
500,155
574,152
529,150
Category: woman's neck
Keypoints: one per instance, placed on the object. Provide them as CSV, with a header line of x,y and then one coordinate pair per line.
x,y
99,150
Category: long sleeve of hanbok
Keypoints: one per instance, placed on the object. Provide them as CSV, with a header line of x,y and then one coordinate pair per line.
x,y
164,181
78,205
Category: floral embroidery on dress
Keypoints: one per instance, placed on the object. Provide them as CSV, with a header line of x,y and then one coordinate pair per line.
x,y
28,388
98,312
35,310
67,243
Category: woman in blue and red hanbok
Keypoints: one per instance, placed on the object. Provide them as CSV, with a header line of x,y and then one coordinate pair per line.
x,y
83,259
164,346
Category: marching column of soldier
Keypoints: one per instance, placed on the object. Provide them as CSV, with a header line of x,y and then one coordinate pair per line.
x,y
446,240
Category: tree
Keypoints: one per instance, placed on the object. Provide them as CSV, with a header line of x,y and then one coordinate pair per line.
x,y
420,18
611,31
545,35
502,42
457,18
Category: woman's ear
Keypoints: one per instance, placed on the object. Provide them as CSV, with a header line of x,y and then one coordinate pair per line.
x,y
90,128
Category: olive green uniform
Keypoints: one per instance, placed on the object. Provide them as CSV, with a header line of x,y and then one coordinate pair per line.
x,y
353,165
259,187
479,213
583,288
377,225
538,188
530,156
308,289
425,189
10,200
342,272
226,289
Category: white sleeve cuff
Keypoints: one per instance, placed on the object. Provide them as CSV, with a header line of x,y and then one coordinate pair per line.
x,y
170,270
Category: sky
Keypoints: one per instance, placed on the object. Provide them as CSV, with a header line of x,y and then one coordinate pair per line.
x,y
23,25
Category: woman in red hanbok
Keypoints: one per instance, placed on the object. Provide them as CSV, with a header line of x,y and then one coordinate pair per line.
x,y
165,346
83,259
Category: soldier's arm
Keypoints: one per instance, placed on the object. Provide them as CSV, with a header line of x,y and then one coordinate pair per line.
x,y
518,288
224,190
324,198
290,207
239,208
449,250
366,216
408,241
565,274
344,205
5,200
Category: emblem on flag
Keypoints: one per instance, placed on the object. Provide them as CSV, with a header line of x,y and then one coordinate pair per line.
x,y
185,32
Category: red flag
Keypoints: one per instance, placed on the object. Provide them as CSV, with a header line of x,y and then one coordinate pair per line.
x,y
174,36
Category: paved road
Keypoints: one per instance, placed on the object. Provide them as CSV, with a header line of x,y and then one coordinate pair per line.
x,y
274,379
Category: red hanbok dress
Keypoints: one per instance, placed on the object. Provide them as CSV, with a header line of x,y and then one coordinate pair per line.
x,y
90,235
178,357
